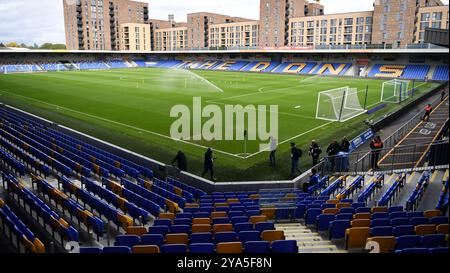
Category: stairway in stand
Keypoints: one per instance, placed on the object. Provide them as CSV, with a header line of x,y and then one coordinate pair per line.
x,y
309,241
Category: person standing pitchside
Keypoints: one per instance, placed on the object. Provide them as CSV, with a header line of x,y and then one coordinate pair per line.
x,y
296,153
209,164
273,150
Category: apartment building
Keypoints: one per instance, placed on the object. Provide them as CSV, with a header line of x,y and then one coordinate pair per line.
x,y
275,16
95,24
170,39
240,34
331,29
431,17
135,37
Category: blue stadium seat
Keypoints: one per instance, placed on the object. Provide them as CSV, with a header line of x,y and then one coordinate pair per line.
x,y
382,231
152,239
243,227
116,250
91,250
127,240
245,236
257,247
433,240
285,246
338,228
175,249
380,222
439,250
163,222
163,230
439,220
180,229
408,241
182,221
404,230
201,248
200,238
413,251
262,226
225,237
395,222
323,222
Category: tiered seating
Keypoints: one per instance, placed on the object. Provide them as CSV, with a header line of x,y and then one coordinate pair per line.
x,y
53,67
117,64
93,65
377,183
320,185
18,233
417,72
417,194
334,69
295,67
87,151
66,203
96,204
441,73
42,212
15,68
442,203
356,184
196,193
393,191
397,230
335,186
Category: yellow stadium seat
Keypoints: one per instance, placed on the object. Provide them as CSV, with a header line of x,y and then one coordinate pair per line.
x,y
386,243
380,209
255,196
136,230
125,220
333,201
201,221
333,211
178,191
362,215
233,201
218,214
272,235
361,223
442,229
425,229
258,218
343,205
40,248
222,228
269,213
172,206
145,249
356,237
201,228
432,213
167,215
2,203
229,248
191,205
177,238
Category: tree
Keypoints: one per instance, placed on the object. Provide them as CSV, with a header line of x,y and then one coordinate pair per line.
x,y
52,46
12,44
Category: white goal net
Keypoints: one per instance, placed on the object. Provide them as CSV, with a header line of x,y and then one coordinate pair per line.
x,y
340,104
395,91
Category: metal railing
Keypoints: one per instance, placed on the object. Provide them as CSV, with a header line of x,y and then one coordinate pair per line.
x,y
406,157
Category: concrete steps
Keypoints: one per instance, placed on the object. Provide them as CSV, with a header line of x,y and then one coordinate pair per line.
x,y
433,191
309,241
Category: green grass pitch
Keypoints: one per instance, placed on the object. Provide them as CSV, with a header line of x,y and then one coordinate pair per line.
x,y
131,108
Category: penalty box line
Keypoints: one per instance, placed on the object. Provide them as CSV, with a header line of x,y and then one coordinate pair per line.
x,y
124,125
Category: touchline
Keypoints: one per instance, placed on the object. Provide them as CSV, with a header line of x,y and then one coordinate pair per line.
x,y
235,122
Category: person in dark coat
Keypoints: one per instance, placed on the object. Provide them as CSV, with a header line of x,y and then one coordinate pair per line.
x,y
428,111
345,145
181,161
332,151
314,152
209,164
296,153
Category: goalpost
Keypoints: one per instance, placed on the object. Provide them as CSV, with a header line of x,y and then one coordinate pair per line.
x,y
395,91
340,104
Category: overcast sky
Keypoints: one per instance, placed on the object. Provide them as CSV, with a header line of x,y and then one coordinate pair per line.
x,y
39,21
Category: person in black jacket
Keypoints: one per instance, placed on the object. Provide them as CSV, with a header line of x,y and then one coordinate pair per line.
x,y
209,166
332,151
296,153
376,145
180,158
345,145
314,152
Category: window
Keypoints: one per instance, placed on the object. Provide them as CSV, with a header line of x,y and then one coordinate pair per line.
x,y
360,20
436,25
369,20
437,16
386,8
425,17
348,21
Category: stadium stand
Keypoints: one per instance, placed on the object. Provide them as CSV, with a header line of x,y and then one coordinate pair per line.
x,y
441,73
417,72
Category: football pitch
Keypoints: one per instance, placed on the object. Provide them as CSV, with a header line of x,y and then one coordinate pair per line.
x,y
131,108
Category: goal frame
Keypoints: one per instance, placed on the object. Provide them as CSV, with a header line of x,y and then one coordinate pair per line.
x,y
343,103
398,98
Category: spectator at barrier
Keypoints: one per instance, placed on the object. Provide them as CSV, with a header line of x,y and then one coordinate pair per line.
x,y
376,145
296,154
345,145
332,151
180,158
273,150
314,152
443,95
428,110
313,180
209,164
